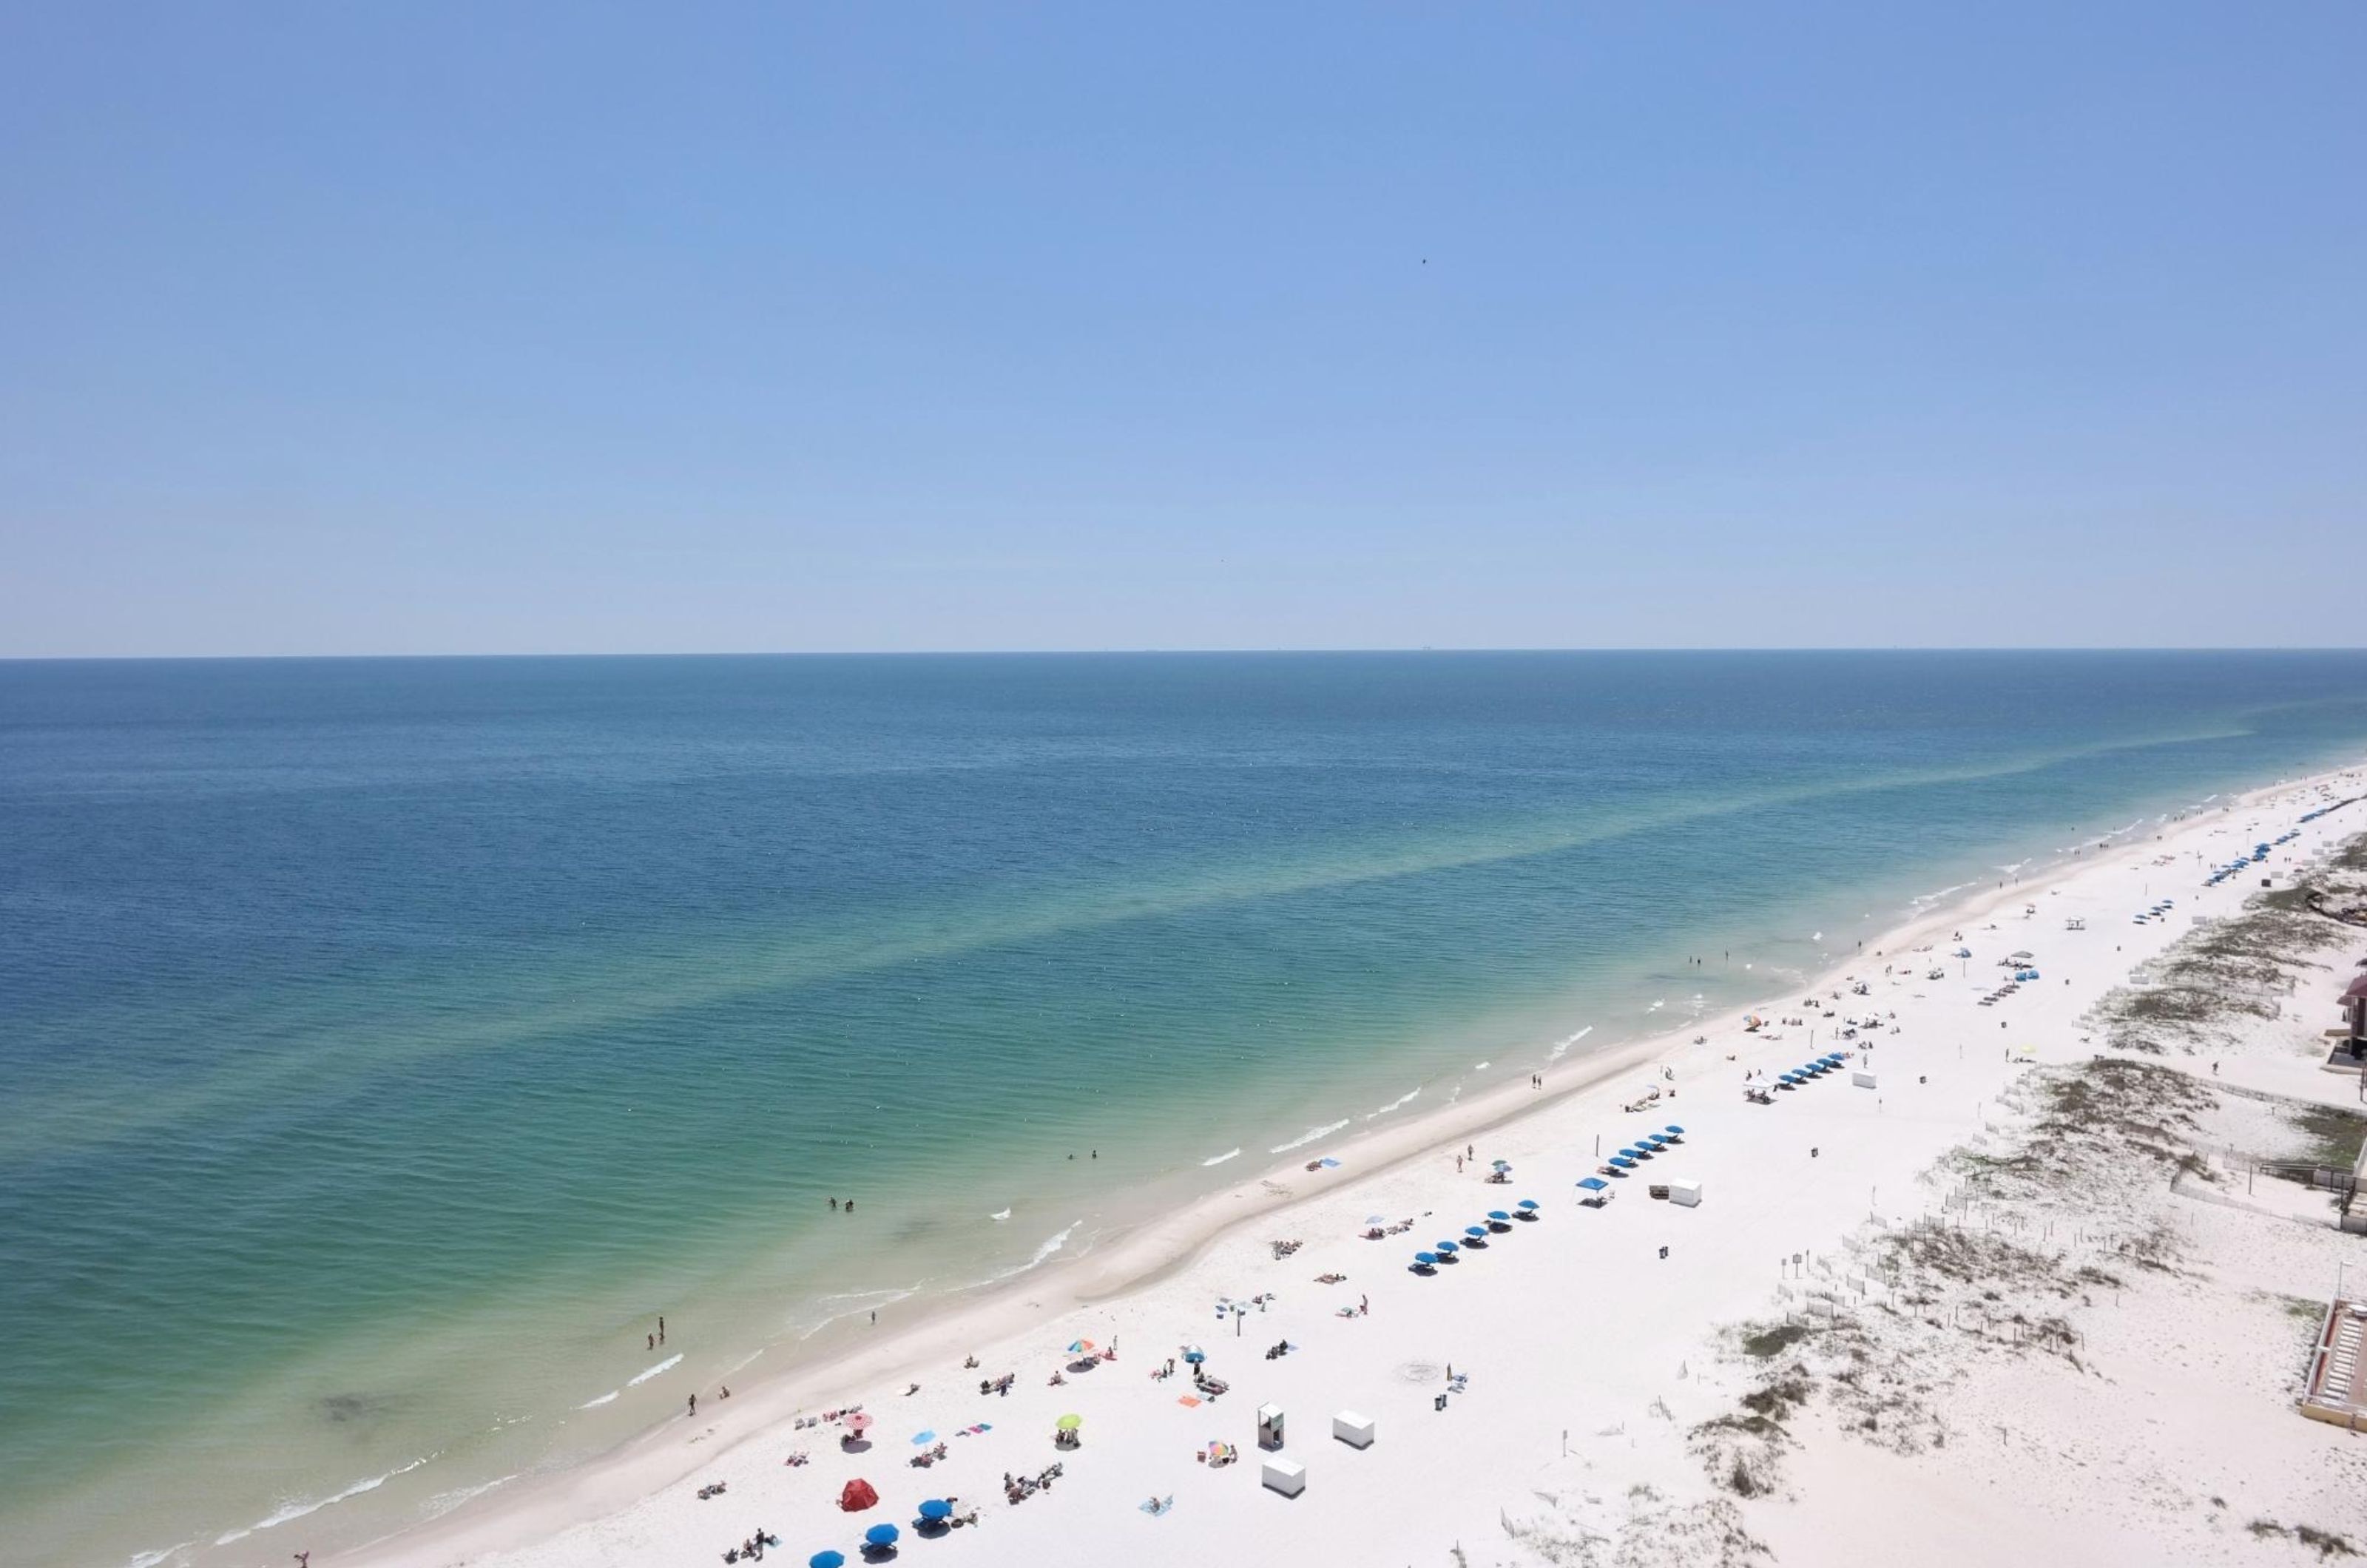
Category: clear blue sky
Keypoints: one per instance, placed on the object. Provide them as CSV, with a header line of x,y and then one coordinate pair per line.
x,y
492,327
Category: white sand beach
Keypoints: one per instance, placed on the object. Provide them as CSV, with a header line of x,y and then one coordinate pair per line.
x,y
2042,1303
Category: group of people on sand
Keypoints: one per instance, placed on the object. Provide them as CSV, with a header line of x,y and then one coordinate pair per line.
x,y
1018,1489
753,1548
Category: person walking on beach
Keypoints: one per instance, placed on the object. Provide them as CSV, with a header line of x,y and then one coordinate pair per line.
x,y
652,1340
693,1407
661,1330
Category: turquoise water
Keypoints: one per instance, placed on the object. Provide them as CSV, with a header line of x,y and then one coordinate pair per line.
x,y
387,1043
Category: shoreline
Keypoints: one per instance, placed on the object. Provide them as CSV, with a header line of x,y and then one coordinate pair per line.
x,y
1155,1253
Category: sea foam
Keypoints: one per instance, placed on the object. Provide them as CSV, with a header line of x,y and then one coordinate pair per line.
x,y
1309,1135
294,1511
1561,1046
641,1377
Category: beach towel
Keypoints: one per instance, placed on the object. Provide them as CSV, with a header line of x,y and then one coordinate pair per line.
x,y
1188,1400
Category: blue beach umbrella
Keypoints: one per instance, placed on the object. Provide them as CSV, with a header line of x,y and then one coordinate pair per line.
x,y
882,1535
1193,1354
1623,1162
936,1508
1425,1261
826,1560
1528,1203
919,1438
1498,1214
1673,1129
1475,1230
1446,1250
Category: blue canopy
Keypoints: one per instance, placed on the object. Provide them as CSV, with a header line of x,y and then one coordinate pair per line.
x,y
882,1535
1594,1184
1632,1152
1475,1230
1498,1214
1444,1248
1674,1131
1425,1259
936,1508
826,1560
1526,1203
1657,1139
1623,1162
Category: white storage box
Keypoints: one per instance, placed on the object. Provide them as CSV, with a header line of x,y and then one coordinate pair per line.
x,y
1687,1193
1862,1080
1285,1476
1353,1429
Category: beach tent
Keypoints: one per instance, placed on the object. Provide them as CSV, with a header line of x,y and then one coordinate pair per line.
x,y
858,1496
1597,1190
882,1535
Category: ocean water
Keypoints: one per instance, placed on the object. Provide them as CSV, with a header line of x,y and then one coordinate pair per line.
x,y
385,1043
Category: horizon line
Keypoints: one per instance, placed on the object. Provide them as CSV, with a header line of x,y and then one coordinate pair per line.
x,y
1214,653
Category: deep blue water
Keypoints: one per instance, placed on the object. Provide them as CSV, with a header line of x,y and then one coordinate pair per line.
x,y
384,1040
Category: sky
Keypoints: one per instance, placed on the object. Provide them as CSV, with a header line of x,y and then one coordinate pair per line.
x,y
515,328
